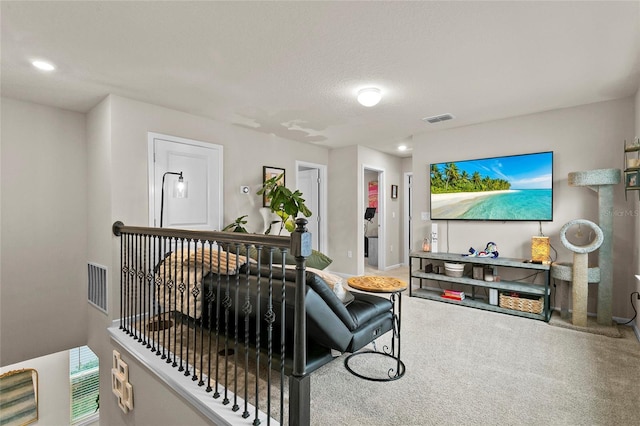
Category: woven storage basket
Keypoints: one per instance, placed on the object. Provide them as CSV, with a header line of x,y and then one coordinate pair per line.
x,y
523,304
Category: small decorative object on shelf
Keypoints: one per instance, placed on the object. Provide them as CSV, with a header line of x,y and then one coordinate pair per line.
x,y
426,244
490,251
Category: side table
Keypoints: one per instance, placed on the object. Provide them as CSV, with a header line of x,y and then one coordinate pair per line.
x,y
394,287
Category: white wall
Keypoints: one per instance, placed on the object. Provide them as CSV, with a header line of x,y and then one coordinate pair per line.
x,y
582,138
44,231
347,202
344,214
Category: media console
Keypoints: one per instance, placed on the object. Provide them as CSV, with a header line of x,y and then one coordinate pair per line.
x,y
511,296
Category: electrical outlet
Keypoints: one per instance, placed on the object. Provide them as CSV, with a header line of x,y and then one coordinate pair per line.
x,y
349,254
391,249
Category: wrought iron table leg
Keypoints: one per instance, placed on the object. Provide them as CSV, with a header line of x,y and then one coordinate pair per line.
x,y
400,367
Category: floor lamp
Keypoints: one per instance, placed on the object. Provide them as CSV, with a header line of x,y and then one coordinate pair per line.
x,y
180,191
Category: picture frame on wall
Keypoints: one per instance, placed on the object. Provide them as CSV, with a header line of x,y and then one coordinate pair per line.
x,y
19,395
269,172
632,179
394,192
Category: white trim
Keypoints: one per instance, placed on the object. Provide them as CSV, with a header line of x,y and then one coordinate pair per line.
x,y
322,172
406,223
151,136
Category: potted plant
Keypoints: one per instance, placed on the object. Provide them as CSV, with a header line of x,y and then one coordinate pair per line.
x,y
284,203
237,225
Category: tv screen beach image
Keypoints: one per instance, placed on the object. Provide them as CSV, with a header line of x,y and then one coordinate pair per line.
x,y
518,187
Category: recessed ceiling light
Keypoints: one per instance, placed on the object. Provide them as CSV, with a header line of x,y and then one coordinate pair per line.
x,y
44,66
369,96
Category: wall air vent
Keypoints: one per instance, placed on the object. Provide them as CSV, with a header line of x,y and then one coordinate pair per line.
x,y
438,118
97,286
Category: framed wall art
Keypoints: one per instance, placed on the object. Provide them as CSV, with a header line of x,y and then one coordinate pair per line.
x,y
394,191
19,395
269,172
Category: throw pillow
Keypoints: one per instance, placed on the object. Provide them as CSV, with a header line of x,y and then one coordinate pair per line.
x,y
334,282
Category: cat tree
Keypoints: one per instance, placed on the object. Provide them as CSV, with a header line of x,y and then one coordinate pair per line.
x,y
602,181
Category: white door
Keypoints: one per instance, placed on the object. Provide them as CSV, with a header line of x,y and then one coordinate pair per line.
x,y
201,167
308,180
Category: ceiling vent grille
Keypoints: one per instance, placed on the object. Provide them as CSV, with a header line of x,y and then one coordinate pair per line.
x,y
438,118
97,286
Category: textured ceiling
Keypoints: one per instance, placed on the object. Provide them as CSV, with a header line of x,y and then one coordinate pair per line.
x,y
293,68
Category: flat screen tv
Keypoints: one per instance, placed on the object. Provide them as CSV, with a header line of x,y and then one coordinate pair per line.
x,y
515,187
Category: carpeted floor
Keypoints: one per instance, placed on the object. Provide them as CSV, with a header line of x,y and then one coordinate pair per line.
x,y
468,366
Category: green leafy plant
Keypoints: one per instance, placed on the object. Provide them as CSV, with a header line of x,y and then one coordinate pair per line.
x,y
284,203
237,225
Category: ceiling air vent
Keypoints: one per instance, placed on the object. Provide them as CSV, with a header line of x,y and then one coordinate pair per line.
x,y
438,118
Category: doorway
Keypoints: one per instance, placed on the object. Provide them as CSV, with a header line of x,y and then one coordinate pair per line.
x,y
198,204
311,181
373,230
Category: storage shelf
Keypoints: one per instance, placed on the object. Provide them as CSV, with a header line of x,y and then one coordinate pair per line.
x,y
534,289
631,174
474,303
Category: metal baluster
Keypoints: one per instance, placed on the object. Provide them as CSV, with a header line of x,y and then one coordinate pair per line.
x,y
202,307
256,419
135,297
269,317
188,329
283,330
154,298
216,394
130,284
173,293
123,274
179,309
227,304
166,331
236,331
145,285
247,311
210,296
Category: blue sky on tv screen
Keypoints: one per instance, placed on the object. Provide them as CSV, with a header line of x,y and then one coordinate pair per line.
x,y
528,171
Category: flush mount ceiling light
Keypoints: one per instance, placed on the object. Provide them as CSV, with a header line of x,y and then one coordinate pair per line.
x,y
369,96
44,66
402,148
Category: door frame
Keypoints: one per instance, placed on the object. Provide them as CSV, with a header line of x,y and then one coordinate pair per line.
x,y
322,214
382,229
408,216
151,136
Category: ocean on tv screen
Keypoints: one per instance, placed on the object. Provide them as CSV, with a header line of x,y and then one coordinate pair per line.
x,y
512,204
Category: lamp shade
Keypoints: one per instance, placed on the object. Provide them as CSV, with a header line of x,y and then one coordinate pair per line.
x,y
369,97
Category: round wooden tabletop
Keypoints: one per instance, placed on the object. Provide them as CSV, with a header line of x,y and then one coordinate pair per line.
x,y
377,284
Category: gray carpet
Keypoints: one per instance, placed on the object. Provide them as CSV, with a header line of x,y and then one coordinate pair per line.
x,y
467,366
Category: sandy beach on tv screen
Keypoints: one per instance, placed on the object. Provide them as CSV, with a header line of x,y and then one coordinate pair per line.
x,y
455,204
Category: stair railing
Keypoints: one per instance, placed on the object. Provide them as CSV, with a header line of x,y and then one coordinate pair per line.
x,y
158,295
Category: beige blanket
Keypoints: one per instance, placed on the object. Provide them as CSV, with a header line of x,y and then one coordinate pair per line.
x,y
186,270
